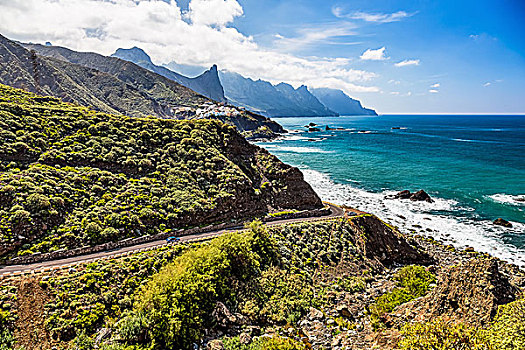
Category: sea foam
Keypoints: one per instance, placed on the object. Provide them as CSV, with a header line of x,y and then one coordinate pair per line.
x,y
441,220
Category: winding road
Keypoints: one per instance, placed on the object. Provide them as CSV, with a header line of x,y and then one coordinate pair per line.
x,y
335,212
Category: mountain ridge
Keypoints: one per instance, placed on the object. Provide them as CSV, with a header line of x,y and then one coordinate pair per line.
x,y
340,102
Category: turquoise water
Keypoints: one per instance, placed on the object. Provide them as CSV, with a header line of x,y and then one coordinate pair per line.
x,y
474,166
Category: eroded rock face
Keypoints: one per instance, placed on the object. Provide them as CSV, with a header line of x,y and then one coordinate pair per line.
x,y
383,243
470,292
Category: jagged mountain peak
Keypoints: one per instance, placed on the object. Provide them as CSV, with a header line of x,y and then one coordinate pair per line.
x,y
135,54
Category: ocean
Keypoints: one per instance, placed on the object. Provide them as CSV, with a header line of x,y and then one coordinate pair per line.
x,y
472,166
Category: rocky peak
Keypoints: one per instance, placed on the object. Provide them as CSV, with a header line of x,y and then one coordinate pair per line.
x,y
135,54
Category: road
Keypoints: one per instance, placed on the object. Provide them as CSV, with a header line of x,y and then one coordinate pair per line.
x,y
336,212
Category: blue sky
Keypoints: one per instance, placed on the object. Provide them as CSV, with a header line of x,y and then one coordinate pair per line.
x,y
395,56
474,50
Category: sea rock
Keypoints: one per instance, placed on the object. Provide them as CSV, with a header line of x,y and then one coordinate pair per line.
x,y
403,195
418,196
421,196
502,222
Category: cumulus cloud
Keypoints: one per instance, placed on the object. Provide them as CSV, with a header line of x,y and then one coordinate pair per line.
x,y
339,12
374,55
436,85
214,12
407,63
202,36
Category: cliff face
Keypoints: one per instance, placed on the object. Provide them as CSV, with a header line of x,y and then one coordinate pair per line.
x,y
207,84
275,101
112,85
76,177
340,102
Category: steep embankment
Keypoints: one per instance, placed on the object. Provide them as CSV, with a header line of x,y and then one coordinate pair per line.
x,y
114,86
71,177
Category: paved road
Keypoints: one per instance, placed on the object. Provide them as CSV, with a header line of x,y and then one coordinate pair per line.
x,y
335,213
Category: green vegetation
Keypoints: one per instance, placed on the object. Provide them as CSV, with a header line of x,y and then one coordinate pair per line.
x,y
412,282
71,177
439,334
264,343
507,331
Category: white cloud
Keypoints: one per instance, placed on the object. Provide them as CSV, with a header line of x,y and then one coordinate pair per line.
x,y
487,84
315,35
436,85
200,37
407,63
371,17
434,91
214,12
394,93
374,55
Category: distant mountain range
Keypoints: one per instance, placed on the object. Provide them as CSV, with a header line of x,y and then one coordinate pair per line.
x,y
207,84
280,100
116,86
258,96
340,102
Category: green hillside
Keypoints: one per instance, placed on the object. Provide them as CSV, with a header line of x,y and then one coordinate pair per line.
x,y
70,176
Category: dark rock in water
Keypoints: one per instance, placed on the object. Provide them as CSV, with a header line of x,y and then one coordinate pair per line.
x,y
328,128
416,196
421,196
502,222
313,129
520,199
312,124
396,128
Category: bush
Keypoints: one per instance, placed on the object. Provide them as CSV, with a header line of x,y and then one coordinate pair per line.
x,y
439,334
412,282
264,343
178,301
508,328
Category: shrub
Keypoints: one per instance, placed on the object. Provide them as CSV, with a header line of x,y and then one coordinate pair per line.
x,y
440,334
413,282
508,328
179,300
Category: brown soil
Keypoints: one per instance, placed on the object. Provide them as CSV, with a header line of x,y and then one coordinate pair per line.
x,y
30,330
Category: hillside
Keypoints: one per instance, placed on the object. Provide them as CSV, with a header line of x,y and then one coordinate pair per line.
x,y
337,284
281,100
206,84
340,102
70,176
117,87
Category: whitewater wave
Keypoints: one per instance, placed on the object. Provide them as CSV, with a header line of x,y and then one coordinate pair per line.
x,y
441,220
508,199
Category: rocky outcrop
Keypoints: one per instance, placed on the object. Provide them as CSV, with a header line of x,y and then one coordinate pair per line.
x,y
470,292
502,222
380,242
419,196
